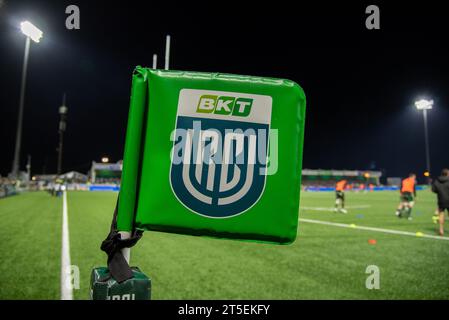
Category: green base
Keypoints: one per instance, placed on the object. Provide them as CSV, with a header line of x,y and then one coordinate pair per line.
x,y
104,287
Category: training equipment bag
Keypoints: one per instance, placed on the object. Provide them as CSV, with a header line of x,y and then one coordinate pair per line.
x,y
213,154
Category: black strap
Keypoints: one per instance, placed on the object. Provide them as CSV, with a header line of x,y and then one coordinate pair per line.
x,y
113,245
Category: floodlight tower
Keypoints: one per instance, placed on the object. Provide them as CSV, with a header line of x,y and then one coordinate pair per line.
x,y
425,105
62,125
33,33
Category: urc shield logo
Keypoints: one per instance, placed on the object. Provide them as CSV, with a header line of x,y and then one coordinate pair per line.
x,y
220,149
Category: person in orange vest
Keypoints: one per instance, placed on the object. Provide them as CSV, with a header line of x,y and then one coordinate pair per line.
x,y
340,196
408,193
371,187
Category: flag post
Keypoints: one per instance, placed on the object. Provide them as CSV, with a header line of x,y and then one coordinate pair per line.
x,y
118,280
126,251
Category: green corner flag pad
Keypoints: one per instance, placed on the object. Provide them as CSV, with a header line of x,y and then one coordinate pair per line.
x,y
214,155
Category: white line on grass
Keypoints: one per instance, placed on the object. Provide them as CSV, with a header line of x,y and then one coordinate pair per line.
x,y
66,285
353,226
363,206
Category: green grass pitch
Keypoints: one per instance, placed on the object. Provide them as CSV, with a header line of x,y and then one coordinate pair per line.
x,y
325,262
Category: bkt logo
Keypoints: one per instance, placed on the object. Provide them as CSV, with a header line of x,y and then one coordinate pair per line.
x,y
240,107
219,156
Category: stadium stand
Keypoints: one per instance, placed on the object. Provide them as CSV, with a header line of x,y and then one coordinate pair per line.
x,y
105,173
7,187
325,180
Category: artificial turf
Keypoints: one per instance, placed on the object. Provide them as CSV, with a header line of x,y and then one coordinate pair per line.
x,y
325,262
30,246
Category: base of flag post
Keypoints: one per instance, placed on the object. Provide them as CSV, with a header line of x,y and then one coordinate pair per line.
x,y
104,287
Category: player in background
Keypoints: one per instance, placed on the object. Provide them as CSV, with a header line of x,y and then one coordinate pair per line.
x,y
441,187
340,196
362,187
408,193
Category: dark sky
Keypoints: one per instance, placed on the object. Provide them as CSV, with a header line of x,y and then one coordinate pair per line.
x,y
360,85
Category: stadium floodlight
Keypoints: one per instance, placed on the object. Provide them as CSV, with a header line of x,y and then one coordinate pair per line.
x,y
105,159
424,104
31,31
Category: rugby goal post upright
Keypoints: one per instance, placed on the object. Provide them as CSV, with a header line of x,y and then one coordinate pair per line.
x,y
154,61
167,52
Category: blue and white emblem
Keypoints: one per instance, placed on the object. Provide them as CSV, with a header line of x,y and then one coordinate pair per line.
x,y
220,148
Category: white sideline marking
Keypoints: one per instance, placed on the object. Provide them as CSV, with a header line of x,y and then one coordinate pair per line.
x,y
363,206
66,285
352,226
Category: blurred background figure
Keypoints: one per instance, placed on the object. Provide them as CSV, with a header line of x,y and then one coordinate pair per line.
x,y
408,193
340,196
441,187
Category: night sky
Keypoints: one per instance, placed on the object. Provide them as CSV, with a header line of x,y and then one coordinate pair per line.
x,y
360,85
